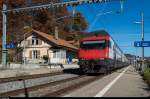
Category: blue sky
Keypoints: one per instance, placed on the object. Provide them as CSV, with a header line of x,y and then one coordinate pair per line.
x,y
120,26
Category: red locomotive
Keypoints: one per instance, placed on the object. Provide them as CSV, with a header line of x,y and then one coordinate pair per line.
x,y
99,53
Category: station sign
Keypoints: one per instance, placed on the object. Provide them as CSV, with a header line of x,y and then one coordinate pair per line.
x,y
10,46
142,43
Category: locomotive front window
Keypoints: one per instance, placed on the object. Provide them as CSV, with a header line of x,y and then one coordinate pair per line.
x,y
101,44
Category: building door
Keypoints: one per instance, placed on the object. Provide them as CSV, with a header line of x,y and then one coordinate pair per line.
x,y
69,57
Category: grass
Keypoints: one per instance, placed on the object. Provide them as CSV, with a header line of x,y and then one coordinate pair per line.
x,y
146,75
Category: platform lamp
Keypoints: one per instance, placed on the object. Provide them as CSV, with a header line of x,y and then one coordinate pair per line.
x,y
27,29
142,37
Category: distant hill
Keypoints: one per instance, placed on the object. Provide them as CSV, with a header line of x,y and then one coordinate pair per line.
x,y
148,58
130,56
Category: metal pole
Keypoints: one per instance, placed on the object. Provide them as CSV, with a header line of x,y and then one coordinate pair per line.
x,y
136,65
56,32
73,15
143,40
25,89
4,51
121,7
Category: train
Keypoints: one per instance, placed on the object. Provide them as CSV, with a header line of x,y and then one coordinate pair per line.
x,y
99,53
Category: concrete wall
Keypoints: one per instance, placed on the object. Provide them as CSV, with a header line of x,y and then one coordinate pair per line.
x,y
21,66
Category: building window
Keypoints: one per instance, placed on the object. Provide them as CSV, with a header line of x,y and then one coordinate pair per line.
x,y
58,54
35,40
32,42
35,54
54,55
61,54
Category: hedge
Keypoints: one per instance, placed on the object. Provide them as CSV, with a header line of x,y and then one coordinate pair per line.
x,y
147,75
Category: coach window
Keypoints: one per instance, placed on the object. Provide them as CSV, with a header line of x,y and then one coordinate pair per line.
x,y
110,46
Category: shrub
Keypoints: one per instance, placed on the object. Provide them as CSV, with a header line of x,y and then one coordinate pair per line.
x,y
9,58
147,75
45,57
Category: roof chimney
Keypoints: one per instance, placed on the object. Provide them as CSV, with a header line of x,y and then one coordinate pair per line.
x,y
56,32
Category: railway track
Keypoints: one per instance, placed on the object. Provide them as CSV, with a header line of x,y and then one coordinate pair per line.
x,y
13,86
50,88
36,90
11,79
56,88
53,88
72,85
75,84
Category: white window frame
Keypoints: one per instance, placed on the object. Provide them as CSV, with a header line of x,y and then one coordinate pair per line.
x,y
35,54
35,40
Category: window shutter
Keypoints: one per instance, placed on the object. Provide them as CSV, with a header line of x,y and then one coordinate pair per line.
x,y
40,42
30,54
38,53
28,43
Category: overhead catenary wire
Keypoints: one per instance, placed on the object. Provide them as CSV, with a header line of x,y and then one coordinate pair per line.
x,y
108,12
97,17
5,11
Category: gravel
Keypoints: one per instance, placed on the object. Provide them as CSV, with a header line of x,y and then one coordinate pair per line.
x,y
10,86
50,89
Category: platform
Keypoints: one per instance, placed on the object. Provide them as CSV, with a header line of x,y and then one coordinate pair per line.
x,y
41,70
125,82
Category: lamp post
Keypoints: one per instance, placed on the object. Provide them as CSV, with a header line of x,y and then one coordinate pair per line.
x,y
24,58
142,22
29,29
4,51
73,15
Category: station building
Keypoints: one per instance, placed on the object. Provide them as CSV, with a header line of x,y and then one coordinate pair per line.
x,y
36,45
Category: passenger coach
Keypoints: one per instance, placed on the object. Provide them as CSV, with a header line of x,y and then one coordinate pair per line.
x,y
99,53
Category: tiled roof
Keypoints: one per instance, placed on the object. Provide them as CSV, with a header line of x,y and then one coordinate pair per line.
x,y
74,42
59,42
